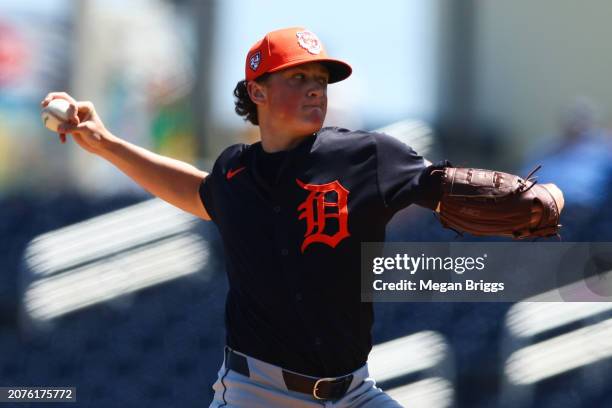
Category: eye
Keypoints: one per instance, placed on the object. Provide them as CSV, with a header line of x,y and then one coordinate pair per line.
x,y
298,76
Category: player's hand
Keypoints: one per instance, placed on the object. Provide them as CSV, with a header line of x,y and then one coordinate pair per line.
x,y
85,125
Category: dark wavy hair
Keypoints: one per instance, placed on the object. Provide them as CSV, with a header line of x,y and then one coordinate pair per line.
x,y
245,107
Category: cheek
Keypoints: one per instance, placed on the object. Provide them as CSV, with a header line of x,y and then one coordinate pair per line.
x,y
284,96
287,103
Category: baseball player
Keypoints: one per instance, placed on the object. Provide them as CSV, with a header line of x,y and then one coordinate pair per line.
x,y
292,211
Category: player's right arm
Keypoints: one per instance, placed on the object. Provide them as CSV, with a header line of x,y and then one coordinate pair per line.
x,y
173,181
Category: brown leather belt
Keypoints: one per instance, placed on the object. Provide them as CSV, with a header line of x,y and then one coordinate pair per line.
x,y
319,388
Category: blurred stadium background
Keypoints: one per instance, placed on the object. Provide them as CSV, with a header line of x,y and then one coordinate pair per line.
x,y
122,296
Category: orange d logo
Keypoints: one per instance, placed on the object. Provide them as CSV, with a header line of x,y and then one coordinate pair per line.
x,y
313,211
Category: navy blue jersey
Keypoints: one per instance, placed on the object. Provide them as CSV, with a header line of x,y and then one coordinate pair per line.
x,y
292,224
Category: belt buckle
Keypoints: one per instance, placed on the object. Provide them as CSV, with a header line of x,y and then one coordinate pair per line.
x,y
316,386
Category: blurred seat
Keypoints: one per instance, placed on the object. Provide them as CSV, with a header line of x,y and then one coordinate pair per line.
x,y
548,342
417,370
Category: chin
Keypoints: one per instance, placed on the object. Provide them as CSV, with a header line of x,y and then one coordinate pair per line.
x,y
312,125
312,128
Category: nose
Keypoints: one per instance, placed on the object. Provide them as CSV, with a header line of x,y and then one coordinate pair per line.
x,y
316,90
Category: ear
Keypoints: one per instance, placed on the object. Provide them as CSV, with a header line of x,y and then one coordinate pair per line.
x,y
257,92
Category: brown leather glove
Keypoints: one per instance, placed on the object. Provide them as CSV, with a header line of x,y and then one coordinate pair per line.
x,y
487,202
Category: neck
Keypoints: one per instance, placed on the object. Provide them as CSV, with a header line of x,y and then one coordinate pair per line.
x,y
275,141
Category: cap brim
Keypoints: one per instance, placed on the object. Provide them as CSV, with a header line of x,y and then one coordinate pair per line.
x,y
338,70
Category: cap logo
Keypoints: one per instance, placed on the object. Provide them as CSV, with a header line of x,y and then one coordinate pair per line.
x,y
255,60
309,41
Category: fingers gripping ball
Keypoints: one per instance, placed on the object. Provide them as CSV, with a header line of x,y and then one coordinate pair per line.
x,y
55,113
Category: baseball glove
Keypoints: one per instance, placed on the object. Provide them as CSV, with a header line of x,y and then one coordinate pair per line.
x,y
487,202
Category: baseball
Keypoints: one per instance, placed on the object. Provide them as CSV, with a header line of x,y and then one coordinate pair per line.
x,y
55,113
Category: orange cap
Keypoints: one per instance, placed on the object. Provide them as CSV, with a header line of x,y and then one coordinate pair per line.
x,y
290,47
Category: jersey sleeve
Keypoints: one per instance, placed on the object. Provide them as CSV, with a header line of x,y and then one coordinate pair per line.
x,y
403,176
207,197
211,182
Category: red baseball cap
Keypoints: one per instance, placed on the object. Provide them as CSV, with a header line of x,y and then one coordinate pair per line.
x,y
289,47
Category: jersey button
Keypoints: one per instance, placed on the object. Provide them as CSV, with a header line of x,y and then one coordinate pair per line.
x,y
284,252
298,297
318,341
277,209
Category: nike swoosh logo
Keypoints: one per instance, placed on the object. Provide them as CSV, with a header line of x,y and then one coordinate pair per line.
x,y
232,173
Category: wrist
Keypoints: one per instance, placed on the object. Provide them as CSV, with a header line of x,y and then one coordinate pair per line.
x,y
109,144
